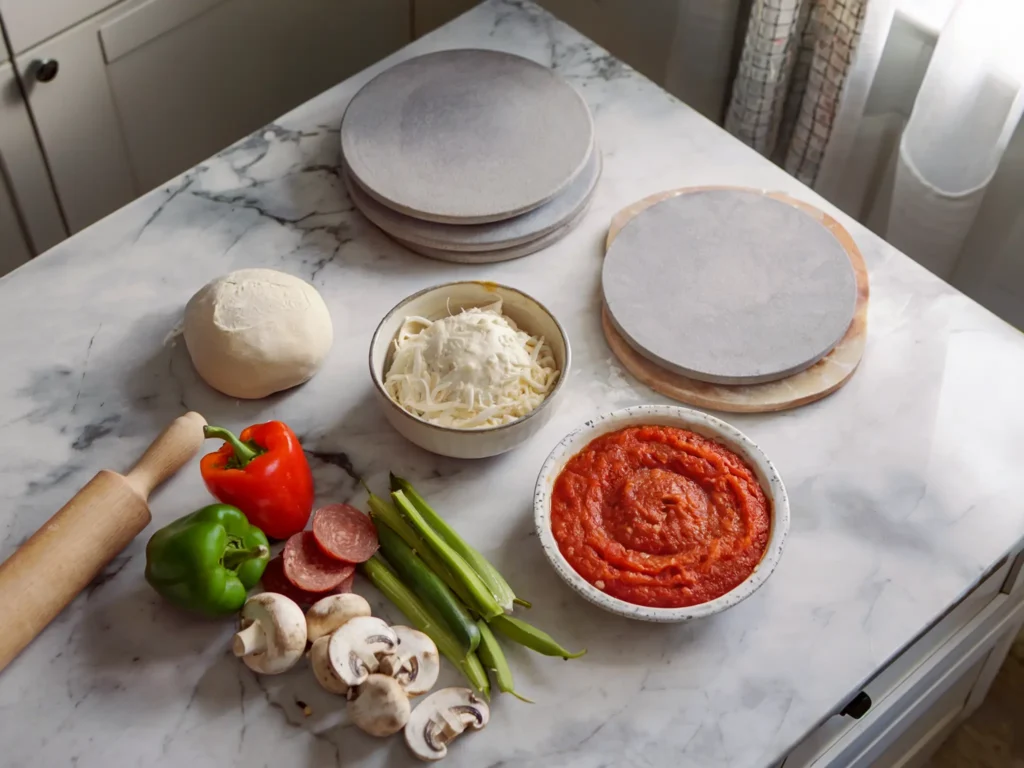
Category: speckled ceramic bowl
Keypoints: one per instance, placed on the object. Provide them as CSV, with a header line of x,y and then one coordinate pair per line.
x,y
437,302
668,416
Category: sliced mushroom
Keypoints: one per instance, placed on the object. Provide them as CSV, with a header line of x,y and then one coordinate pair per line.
x,y
415,663
320,660
354,647
379,706
440,718
273,634
332,612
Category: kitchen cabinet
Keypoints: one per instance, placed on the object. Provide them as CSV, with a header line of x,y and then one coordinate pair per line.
x,y
125,95
230,68
919,697
30,218
29,22
68,93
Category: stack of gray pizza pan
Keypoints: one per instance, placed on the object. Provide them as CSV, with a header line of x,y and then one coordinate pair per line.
x,y
728,287
471,156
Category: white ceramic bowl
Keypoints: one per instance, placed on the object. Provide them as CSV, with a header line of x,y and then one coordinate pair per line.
x,y
668,416
437,302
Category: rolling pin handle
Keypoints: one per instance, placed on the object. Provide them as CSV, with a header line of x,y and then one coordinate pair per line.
x,y
175,447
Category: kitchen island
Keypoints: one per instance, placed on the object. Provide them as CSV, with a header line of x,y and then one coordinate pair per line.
x,y
906,517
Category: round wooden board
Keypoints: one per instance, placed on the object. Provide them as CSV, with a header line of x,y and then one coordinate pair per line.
x,y
821,379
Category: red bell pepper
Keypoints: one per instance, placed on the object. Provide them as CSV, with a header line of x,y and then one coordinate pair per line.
x,y
265,474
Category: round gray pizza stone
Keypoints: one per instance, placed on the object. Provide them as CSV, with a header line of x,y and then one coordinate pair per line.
x,y
498,254
482,237
466,136
729,287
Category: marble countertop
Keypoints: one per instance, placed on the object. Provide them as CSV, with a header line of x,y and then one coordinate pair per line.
x,y
904,484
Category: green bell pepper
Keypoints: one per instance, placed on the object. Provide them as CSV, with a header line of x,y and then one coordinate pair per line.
x,y
207,561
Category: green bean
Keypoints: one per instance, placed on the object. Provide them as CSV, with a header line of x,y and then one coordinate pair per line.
x,y
533,638
490,576
427,586
476,674
480,598
384,512
380,574
493,658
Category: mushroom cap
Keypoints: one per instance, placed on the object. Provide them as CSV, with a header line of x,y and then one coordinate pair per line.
x,y
441,717
415,663
379,706
322,671
283,627
330,613
353,648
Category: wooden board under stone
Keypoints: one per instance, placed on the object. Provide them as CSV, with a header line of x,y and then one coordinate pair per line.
x,y
818,381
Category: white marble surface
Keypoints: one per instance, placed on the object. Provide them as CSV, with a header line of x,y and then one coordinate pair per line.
x,y
904,484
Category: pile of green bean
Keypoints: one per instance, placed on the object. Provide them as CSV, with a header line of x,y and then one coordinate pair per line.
x,y
448,590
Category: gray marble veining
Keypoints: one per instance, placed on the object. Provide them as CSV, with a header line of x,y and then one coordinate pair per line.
x,y
903,485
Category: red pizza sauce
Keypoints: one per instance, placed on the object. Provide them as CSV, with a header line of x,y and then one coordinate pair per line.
x,y
660,517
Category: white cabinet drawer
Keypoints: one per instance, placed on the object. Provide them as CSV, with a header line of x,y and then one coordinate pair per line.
x,y
916,744
898,684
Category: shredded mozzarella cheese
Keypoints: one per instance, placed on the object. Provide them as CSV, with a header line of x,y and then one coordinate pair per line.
x,y
470,370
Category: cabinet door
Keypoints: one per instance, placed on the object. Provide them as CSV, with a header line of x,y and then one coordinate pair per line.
x,y
190,77
30,220
31,21
14,247
77,124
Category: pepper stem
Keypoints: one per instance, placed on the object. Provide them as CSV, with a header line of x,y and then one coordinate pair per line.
x,y
243,453
235,557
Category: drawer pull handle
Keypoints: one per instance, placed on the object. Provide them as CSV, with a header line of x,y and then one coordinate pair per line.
x,y
858,707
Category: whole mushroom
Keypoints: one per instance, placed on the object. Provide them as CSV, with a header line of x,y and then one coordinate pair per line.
x,y
354,648
273,634
379,706
319,658
330,613
414,663
440,718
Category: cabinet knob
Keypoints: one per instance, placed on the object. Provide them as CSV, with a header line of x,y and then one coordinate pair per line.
x,y
46,70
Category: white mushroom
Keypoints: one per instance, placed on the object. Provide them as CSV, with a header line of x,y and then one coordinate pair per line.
x,y
354,647
379,706
328,614
440,718
273,634
322,670
415,663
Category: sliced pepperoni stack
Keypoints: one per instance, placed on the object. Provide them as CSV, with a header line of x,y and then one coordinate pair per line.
x,y
322,561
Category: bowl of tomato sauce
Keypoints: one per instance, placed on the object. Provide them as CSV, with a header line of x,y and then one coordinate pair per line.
x,y
661,513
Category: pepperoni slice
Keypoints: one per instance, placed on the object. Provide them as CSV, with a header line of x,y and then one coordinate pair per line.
x,y
309,568
345,533
346,585
274,580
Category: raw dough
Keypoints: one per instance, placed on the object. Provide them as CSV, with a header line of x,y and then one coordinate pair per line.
x,y
257,331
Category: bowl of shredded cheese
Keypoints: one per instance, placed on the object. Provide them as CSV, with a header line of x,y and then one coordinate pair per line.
x,y
469,369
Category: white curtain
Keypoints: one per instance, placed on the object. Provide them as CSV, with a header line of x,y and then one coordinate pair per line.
x,y
928,148
968,107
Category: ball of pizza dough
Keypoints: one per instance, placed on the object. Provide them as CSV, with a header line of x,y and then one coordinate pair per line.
x,y
257,331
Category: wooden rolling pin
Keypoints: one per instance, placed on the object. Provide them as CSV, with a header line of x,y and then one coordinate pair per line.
x,y
70,550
